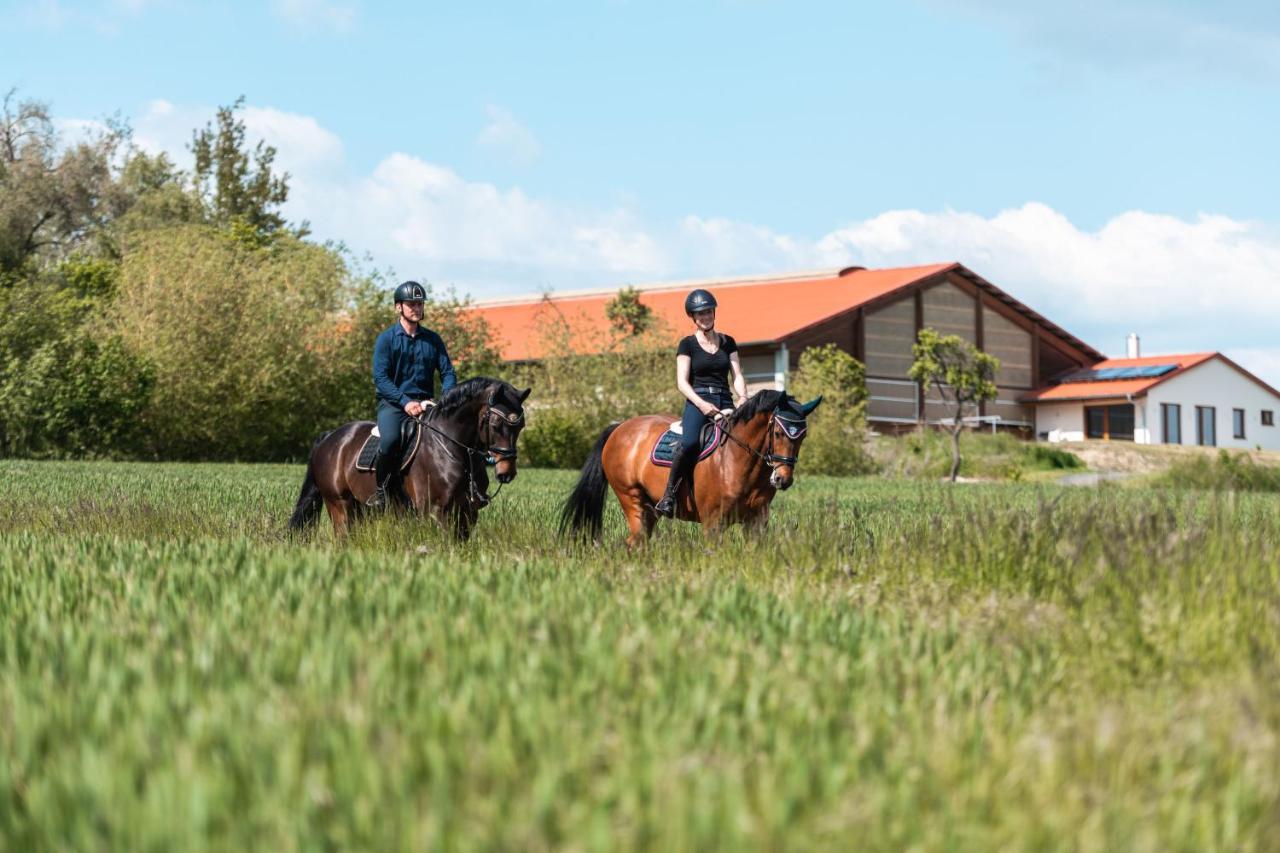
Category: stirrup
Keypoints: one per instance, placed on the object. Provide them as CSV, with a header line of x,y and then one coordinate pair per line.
x,y
666,507
377,500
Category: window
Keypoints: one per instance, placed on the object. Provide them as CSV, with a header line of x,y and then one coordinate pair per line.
x,y
1237,423
1171,422
1206,435
1268,417
1110,422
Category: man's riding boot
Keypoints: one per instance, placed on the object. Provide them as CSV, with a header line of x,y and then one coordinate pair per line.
x,y
680,462
384,470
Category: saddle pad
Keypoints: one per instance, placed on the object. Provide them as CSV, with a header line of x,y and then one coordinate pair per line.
x,y
410,437
664,449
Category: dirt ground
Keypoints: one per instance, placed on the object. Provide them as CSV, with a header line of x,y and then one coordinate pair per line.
x,y
1132,458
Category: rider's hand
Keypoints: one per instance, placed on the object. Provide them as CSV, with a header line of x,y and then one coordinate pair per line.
x,y
707,409
413,408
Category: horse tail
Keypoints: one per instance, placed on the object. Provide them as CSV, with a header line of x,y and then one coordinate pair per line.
x,y
584,508
309,503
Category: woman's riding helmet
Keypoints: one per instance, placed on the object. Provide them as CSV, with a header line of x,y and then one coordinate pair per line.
x,y
698,300
411,291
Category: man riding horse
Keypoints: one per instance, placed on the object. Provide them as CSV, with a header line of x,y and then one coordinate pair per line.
x,y
406,357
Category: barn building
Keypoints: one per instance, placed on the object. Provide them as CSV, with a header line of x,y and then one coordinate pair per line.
x,y
1051,384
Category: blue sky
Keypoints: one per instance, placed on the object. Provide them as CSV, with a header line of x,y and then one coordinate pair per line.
x,y
1112,164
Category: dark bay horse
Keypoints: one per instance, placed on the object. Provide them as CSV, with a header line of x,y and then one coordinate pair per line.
x,y
474,421
735,484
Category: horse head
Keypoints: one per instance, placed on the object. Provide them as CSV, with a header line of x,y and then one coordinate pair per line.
x,y
500,425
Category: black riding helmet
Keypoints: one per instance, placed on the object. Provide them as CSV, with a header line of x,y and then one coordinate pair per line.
x,y
698,300
411,291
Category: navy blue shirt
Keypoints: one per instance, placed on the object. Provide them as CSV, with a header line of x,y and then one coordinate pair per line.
x,y
404,367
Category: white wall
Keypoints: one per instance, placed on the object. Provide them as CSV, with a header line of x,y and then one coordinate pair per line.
x,y
1215,383
1062,421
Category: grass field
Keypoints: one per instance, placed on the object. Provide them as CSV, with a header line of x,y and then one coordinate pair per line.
x,y
894,666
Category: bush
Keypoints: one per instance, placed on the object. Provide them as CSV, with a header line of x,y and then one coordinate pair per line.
x,y
576,395
1224,473
67,388
836,443
927,455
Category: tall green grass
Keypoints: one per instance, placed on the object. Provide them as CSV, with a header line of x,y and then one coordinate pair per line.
x,y
1225,472
892,666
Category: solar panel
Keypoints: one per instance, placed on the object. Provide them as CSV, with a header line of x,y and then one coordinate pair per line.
x,y
1109,374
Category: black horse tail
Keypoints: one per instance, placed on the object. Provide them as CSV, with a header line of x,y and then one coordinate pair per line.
x,y
309,503
584,508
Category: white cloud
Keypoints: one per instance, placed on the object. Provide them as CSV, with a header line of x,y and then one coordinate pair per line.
x,y
310,15
507,136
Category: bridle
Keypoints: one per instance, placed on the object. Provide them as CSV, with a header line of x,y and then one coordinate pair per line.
x,y
794,431
490,454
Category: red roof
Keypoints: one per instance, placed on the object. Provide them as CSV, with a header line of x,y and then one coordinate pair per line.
x,y
1091,388
753,310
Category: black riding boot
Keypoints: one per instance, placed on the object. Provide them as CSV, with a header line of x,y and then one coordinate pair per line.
x,y
383,472
681,462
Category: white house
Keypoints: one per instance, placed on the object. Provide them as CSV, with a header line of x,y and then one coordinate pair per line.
x,y
1199,398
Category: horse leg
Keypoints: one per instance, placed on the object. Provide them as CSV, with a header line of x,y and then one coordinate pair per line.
x,y
340,514
756,523
640,518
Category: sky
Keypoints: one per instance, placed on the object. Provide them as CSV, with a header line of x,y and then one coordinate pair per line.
x,y
1111,164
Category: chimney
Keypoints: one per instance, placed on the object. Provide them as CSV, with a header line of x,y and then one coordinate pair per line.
x,y
1132,348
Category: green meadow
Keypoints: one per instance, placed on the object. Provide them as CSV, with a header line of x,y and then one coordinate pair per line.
x,y
896,665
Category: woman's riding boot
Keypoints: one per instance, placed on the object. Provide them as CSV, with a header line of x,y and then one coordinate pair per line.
x,y
679,462
383,470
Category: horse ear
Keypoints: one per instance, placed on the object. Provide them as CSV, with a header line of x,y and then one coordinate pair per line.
x,y
524,395
808,407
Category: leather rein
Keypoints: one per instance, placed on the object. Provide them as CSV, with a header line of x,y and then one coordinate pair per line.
x,y
491,455
773,460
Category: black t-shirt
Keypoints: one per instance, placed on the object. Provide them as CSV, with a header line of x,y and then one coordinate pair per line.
x,y
708,370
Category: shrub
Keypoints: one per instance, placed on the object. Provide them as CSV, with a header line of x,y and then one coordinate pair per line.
x,y
836,443
927,455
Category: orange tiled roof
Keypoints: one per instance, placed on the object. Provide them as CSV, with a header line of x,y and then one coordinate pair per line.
x,y
752,310
1089,389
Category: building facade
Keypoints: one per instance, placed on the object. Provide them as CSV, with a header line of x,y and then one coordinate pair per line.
x,y
1196,399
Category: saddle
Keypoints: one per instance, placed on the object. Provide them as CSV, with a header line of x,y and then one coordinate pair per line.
x,y
410,438
664,449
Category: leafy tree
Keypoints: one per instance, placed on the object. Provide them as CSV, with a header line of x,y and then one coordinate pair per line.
x,y
237,184
628,315
54,199
836,443
962,374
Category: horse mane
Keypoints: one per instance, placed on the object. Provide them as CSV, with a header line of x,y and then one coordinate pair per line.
x,y
761,401
453,400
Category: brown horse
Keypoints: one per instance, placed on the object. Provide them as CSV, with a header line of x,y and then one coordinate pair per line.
x,y
735,484
474,422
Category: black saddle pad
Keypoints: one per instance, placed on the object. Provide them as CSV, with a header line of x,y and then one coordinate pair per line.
x,y
409,435
664,449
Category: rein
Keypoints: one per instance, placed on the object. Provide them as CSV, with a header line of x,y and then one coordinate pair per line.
x,y
488,453
773,460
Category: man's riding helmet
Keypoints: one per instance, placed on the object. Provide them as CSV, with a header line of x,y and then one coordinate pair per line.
x,y
411,291
698,300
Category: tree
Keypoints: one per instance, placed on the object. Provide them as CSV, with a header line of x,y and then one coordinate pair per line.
x,y
239,189
962,374
55,199
628,315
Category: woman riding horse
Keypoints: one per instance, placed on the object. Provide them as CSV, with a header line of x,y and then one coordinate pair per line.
x,y
757,448
704,361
